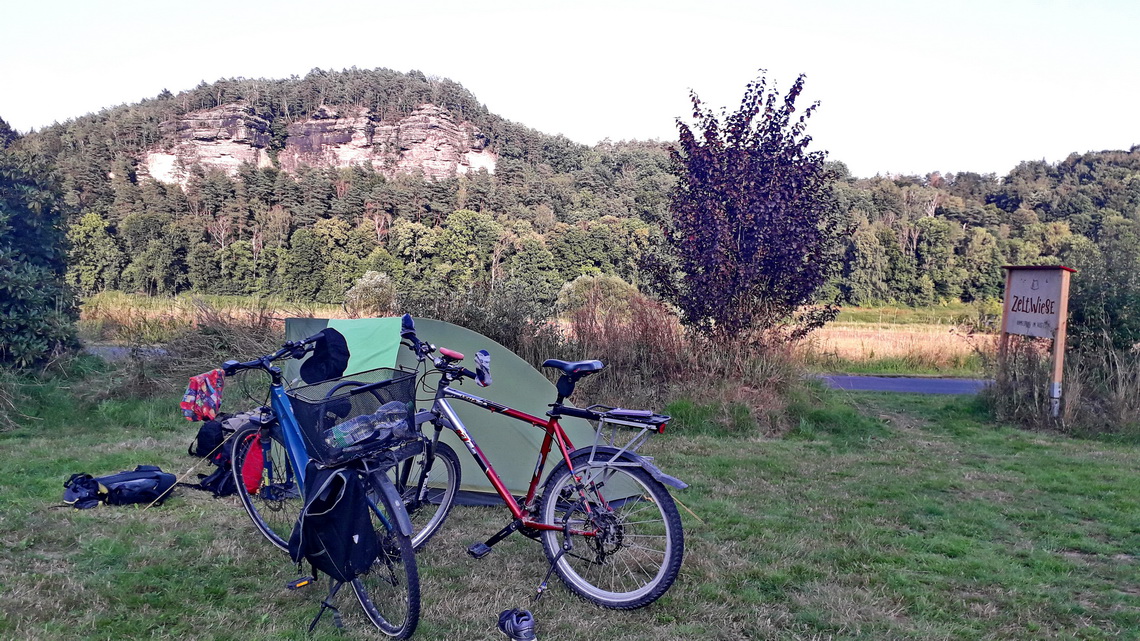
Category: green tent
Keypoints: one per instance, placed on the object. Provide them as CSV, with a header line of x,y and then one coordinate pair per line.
x,y
512,446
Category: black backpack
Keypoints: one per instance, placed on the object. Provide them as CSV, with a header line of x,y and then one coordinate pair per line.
x,y
334,532
221,481
210,437
145,484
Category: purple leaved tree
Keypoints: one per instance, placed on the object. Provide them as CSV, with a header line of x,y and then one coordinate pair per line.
x,y
753,231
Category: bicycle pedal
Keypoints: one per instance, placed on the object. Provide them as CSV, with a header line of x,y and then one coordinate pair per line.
x,y
479,550
299,583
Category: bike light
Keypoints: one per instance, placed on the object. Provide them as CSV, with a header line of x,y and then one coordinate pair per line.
x,y
661,428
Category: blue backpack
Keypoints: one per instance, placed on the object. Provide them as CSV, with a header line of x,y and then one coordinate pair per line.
x,y
145,484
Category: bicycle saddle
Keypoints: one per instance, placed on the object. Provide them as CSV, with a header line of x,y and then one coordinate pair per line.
x,y
574,369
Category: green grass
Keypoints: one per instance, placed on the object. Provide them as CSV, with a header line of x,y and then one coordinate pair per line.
x,y
971,366
878,517
945,314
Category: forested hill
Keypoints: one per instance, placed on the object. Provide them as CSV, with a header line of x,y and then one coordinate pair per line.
x,y
545,211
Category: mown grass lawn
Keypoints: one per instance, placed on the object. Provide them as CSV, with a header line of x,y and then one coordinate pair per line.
x,y
879,517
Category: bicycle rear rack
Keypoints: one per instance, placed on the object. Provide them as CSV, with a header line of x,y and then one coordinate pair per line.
x,y
614,423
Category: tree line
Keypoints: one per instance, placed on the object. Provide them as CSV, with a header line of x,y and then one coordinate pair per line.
x,y
551,211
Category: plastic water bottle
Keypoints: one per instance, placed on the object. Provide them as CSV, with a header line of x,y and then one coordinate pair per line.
x,y
376,426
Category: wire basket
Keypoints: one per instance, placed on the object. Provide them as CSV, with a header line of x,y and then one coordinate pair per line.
x,y
344,418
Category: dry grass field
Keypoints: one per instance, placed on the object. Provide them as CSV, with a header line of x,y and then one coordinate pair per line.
x,y
894,348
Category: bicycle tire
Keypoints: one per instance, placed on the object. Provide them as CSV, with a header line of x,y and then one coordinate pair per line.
x,y
275,504
637,553
427,509
389,593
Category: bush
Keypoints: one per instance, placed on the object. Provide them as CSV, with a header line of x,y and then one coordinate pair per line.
x,y
372,296
37,311
602,292
754,236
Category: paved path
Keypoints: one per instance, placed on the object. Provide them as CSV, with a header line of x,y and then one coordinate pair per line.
x,y
909,385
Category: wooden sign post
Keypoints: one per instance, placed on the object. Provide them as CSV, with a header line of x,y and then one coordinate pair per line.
x,y
1037,304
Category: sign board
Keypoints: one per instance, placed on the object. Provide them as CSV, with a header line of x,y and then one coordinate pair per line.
x,y
1037,304
1034,301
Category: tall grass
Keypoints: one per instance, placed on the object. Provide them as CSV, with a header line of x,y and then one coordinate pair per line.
x,y
128,319
1100,390
888,348
194,339
11,395
650,358
508,315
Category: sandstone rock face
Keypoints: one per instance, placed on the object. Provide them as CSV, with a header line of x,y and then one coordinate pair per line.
x,y
222,138
429,141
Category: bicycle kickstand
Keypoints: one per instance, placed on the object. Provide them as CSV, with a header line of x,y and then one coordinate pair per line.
x,y
567,545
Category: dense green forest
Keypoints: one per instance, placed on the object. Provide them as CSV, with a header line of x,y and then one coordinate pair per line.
x,y
551,211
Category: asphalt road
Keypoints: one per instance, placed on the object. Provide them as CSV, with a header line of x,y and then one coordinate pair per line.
x,y
908,385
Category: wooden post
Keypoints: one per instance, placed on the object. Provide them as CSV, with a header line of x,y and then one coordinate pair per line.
x,y
1059,346
1003,338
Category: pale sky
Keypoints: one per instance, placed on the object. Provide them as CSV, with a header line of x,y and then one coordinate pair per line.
x,y
904,87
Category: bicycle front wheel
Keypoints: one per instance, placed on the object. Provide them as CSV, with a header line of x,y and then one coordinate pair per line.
x,y
265,482
623,528
389,593
428,490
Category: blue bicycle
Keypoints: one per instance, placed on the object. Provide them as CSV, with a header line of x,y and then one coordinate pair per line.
x,y
325,422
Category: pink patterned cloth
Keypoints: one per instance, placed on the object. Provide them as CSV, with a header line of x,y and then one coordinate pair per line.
x,y
203,396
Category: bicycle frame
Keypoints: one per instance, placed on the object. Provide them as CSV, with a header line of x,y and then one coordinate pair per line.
x,y
294,445
555,435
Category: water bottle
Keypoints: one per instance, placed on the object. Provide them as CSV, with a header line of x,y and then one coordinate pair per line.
x,y
379,425
350,432
392,418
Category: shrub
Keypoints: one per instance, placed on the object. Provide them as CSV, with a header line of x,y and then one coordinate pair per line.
x,y
602,292
753,234
373,295
37,311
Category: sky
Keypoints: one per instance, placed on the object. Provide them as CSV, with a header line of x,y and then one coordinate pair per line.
x,y
904,87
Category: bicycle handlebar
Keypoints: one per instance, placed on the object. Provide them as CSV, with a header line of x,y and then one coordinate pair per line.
x,y
290,349
424,350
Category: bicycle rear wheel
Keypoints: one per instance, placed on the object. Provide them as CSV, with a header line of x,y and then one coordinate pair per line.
x,y
428,491
628,547
266,483
389,593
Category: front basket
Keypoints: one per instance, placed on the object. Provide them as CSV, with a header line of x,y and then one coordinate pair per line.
x,y
345,418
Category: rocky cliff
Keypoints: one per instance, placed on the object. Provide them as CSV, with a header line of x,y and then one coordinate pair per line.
x,y
429,140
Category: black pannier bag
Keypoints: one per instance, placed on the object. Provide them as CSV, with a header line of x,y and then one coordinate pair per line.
x,y
145,484
334,533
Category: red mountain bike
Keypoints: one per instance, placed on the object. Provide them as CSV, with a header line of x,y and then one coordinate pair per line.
x,y
606,521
